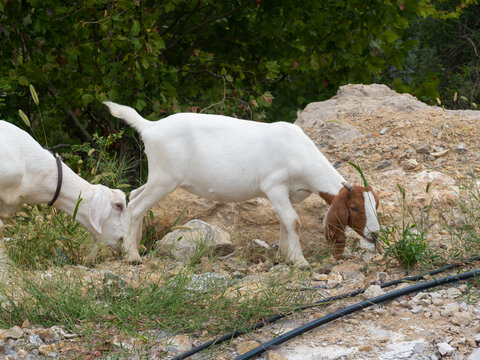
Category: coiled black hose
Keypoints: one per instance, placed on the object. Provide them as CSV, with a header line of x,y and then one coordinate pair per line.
x,y
272,319
358,306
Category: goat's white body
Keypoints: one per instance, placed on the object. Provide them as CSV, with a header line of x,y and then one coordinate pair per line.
x,y
227,159
28,174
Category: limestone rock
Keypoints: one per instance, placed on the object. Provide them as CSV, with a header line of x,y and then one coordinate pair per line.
x,y
184,241
373,291
445,349
15,332
246,346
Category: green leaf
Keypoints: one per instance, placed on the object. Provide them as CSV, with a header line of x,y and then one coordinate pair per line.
x,y
135,28
140,104
391,36
87,99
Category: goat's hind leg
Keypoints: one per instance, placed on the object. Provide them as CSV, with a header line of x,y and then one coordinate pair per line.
x,y
289,242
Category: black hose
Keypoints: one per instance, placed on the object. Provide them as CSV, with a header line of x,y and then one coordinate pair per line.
x,y
272,319
358,306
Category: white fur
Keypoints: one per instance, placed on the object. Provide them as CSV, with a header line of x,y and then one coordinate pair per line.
x,y
227,159
372,226
28,174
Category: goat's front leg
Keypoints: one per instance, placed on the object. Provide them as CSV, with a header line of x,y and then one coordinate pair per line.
x,y
136,192
148,196
289,245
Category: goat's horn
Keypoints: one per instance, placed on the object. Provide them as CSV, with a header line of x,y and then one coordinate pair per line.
x,y
347,186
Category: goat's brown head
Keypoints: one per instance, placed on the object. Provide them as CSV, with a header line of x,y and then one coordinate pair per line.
x,y
356,207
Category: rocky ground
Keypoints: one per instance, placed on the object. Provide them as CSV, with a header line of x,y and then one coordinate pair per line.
x,y
396,140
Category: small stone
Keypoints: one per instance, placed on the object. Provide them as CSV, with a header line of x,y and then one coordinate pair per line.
x,y
424,302
13,333
437,302
453,292
319,277
475,355
47,349
383,131
422,148
183,342
26,324
438,154
35,339
384,165
273,355
462,318
411,304
373,291
375,158
246,346
22,352
420,296
444,348
417,309
261,243
334,279
410,164
460,341
477,338
450,309
460,148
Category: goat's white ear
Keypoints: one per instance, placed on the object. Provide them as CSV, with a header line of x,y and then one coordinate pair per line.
x,y
100,209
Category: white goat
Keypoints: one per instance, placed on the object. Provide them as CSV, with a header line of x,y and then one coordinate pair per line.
x,y
29,174
227,159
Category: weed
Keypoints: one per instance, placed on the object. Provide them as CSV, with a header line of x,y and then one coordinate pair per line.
x,y
463,223
83,302
407,242
409,246
40,237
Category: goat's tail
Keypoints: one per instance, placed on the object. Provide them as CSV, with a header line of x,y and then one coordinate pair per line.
x,y
128,114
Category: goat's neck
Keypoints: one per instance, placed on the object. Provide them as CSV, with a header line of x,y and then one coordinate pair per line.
x,y
330,183
73,189
327,197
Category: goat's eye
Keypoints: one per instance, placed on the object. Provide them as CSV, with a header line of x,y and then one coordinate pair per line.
x,y
354,209
119,206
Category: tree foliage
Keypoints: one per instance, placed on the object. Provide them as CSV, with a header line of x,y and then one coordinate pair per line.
x,y
254,59
445,61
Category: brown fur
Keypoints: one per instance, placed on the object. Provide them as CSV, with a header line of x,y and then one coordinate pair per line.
x,y
347,209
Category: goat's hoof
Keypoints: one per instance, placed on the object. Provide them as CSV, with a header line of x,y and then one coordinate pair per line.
x,y
134,260
302,264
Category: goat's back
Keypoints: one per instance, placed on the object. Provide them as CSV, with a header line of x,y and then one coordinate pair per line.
x,y
228,159
21,157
